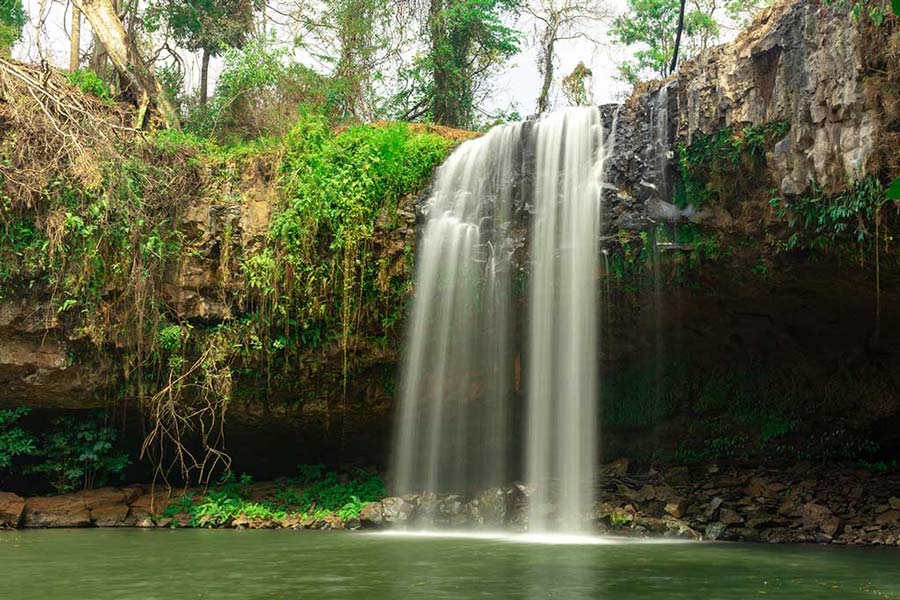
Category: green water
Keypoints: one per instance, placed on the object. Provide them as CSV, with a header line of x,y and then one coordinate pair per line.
x,y
136,564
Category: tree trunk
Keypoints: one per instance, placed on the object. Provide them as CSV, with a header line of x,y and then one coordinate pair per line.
x,y
75,46
204,78
108,28
678,38
547,69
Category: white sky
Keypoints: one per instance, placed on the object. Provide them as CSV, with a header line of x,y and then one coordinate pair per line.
x,y
518,84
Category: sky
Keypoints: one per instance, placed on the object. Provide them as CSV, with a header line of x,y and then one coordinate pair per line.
x,y
516,85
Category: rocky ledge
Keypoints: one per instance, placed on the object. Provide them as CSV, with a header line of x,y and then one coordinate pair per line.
x,y
800,503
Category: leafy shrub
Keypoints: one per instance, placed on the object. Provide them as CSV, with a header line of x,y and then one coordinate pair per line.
x,y
90,83
258,92
14,440
314,494
79,454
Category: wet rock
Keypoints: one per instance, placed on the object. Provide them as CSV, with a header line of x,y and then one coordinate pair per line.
x,y
451,511
56,511
680,529
398,511
107,506
891,517
494,507
730,517
817,516
715,530
676,507
679,475
371,515
618,467
713,508
11,508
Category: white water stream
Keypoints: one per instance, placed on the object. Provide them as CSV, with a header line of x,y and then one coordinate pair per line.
x,y
460,381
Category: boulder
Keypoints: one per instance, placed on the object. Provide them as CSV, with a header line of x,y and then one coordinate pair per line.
x,y
11,508
817,516
676,506
891,517
495,507
371,515
398,511
107,506
56,511
730,517
618,467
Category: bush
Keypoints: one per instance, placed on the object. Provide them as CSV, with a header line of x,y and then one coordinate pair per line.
x,y
14,440
258,94
78,454
90,83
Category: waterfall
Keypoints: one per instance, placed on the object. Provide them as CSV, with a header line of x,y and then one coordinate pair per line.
x,y
563,337
459,382
457,374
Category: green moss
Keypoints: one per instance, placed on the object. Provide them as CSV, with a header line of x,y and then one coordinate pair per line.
x,y
717,167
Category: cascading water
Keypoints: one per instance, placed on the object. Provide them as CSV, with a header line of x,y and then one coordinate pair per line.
x,y
457,376
562,365
454,425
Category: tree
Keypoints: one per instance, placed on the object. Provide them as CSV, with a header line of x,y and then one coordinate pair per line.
x,y
651,24
353,37
123,53
206,26
467,39
12,20
556,21
574,85
75,48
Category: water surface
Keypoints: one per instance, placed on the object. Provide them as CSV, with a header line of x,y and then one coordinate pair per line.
x,y
148,565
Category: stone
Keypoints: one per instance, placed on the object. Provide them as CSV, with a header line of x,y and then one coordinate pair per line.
x,y
618,467
894,503
398,511
713,508
107,506
891,517
494,507
730,517
56,511
11,508
676,507
715,530
817,516
678,475
371,515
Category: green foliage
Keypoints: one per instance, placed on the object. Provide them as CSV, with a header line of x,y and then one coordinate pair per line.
x,y
718,448
90,83
652,26
14,440
314,494
209,25
12,21
258,93
843,222
718,167
318,275
467,39
79,454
